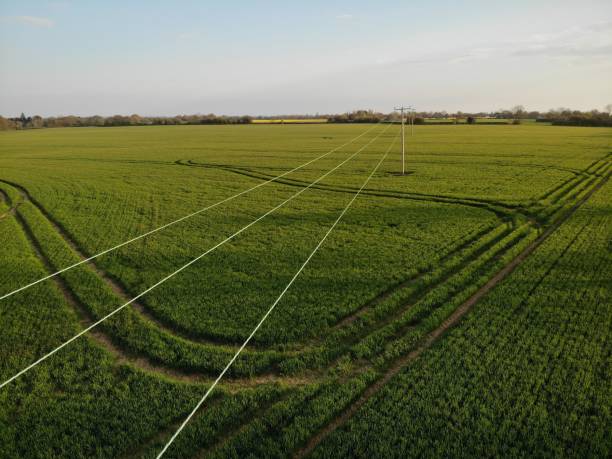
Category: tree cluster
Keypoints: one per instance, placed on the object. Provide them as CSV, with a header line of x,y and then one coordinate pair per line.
x,y
358,116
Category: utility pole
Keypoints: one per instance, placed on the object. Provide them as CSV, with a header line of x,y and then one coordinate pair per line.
x,y
403,109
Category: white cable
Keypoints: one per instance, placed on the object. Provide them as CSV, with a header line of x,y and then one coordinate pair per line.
x,y
210,389
148,233
229,238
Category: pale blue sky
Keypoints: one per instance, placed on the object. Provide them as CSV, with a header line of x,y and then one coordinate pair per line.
x,y
267,57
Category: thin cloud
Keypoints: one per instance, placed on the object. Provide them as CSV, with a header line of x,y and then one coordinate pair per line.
x,y
600,26
344,17
473,55
566,51
33,21
578,42
592,40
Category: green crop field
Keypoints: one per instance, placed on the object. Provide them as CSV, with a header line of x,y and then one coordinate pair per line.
x,y
461,309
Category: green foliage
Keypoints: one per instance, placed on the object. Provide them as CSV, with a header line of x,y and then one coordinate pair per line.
x,y
410,251
526,374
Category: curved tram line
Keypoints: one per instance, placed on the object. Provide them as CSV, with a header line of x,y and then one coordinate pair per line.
x,y
185,266
88,318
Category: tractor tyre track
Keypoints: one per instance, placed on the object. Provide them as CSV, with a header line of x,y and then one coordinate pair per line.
x,y
147,366
122,356
119,290
452,320
5,198
13,206
500,209
115,285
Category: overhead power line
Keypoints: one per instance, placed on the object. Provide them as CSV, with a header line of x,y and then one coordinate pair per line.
x,y
265,316
185,266
193,214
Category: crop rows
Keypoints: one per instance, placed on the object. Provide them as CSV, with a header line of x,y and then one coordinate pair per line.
x,y
130,329
532,359
281,394
320,405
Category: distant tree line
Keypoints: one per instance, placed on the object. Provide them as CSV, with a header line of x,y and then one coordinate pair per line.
x,y
568,117
35,122
515,115
295,116
518,113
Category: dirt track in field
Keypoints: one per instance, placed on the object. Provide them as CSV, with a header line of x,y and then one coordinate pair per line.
x,y
452,320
